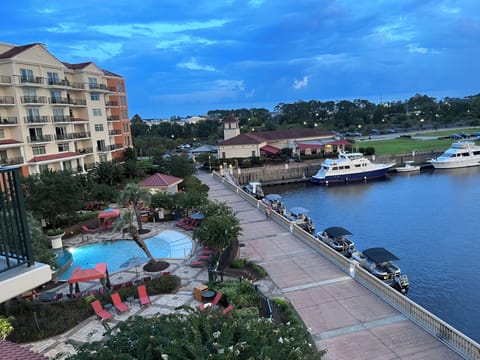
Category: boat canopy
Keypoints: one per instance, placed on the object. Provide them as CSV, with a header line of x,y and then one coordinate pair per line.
x,y
336,231
298,210
273,197
379,255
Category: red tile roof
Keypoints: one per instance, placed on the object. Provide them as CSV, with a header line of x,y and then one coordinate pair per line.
x,y
159,180
257,138
12,351
9,141
269,149
109,73
16,50
340,142
230,119
53,156
310,146
77,66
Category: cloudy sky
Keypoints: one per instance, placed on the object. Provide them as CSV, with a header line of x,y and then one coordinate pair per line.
x,y
188,57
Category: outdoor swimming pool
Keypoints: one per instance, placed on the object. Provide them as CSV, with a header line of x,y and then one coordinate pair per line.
x,y
167,244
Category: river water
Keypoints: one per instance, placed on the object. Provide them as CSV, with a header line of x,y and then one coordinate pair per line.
x,y
430,220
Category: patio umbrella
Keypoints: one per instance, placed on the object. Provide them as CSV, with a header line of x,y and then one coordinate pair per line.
x,y
197,216
134,261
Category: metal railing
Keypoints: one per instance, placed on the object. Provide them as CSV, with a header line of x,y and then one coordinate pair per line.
x,y
454,339
15,244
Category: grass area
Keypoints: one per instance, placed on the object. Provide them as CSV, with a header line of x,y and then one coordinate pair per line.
x,y
450,132
404,145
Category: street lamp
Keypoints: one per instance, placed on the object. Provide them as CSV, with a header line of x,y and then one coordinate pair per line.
x,y
209,163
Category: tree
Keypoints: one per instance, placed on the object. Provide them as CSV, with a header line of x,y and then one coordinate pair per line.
x,y
40,246
107,173
127,221
52,195
133,194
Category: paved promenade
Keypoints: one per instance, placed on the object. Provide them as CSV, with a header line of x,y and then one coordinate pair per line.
x,y
343,317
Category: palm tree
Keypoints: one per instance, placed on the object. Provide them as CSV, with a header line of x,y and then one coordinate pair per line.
x,y
133,194
127,222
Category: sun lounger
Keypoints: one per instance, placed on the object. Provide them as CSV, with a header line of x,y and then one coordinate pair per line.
x,y
227,310
88,230
118,303
101,313
143,296
198,263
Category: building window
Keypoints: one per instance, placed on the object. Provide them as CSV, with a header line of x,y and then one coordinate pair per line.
x,y
123,101
43,167
38,150
103,158
127,141
224,155
63,147
2,134
67,165
120,87
98,127
95,96
92,83
52,78
97,112
124,114
125,127
26,75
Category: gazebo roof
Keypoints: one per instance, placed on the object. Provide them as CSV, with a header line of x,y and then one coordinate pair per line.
x,y
160,180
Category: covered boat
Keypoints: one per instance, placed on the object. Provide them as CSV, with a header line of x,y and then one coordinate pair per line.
x,y
335,237
298,215
274,201
460,154
379,262
254,188
349,167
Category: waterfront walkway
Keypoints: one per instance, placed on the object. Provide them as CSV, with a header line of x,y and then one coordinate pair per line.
x,y
343,317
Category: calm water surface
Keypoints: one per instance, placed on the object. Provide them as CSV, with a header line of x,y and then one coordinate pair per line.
x,y
429,220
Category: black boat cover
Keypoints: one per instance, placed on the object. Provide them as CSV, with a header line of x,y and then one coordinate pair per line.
x,y
379,255
336,231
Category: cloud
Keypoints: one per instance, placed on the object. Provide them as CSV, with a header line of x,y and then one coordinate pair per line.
x,y
94,50
193,65
298,84
414,48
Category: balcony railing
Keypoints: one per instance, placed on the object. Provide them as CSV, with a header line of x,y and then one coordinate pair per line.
x,y
107,148
33,99
114,132
77,102
113,118
32,79
73,136
58,100
98,87
7,100
5,79
11,161
111,103
40,138
62,118
77,85
15,244
36,119
8,121
55,82
85,150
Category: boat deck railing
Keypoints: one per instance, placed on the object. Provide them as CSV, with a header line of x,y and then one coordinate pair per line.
x,y
451,337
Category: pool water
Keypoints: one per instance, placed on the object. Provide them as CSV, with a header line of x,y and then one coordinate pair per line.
x,y
167,244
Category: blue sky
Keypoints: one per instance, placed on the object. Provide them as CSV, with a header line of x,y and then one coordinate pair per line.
x,y
188,57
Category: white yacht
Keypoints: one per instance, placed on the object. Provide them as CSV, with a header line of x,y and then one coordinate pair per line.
x,y
349,167
460,154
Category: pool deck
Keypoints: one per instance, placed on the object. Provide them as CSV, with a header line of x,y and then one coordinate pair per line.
x,y
341,315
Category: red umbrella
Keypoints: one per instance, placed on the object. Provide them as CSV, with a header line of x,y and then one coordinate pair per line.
x,y
109,213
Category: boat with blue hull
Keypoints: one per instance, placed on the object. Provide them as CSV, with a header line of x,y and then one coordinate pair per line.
x,y
348,168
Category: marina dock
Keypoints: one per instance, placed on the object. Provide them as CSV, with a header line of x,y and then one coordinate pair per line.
x,y
343,316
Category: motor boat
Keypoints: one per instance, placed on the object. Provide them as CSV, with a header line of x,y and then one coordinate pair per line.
x,y
254,188
379,262
299,216
274,201
349,167
408,166
335,237
460,154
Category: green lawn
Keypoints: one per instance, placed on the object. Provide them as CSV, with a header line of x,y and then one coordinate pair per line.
x,y
403,146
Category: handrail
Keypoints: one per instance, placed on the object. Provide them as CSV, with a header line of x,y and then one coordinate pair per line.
x,y
447,334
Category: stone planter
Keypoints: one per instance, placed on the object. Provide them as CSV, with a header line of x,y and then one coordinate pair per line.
x,y
56,240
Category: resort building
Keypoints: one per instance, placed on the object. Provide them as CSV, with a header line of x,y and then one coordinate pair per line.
x,y
269,143
55,115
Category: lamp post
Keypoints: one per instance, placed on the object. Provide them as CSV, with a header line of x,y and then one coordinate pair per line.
x,y
209,163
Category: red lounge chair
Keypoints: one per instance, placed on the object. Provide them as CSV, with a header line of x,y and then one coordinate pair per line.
x,y
227,310
143,296
182,222
198,263
118,303
101,313
88,230
192,225
215,301
207,252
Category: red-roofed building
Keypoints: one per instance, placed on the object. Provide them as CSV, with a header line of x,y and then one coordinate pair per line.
x,y
59,116
12,351
161,183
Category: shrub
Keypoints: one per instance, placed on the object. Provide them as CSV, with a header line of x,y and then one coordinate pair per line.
x,y
54,232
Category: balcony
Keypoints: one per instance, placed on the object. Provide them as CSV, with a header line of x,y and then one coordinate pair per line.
x,y
18,270
114,132
82,135
36,119
76,85
39,138
33,100
85,151
32,80
111,103
98,87
7,100
58,82
62,118
58,101
8,121
11,161
77,102
113,118
5,80
108,148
